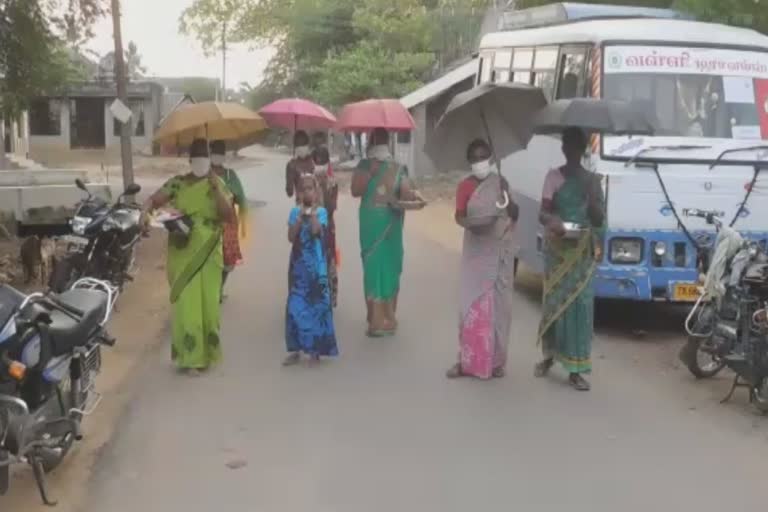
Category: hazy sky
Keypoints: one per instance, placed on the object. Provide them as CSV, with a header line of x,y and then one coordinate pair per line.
x,y
154,26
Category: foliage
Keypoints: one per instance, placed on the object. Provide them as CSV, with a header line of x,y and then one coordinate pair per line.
x,y
744,13
368,71
34,56
337,51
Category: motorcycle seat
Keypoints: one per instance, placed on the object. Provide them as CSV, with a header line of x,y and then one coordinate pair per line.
x,y
66,332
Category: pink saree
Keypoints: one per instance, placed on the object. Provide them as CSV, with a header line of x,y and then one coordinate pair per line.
x,y
486,265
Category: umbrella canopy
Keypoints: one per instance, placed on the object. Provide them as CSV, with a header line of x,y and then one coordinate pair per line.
x,y
209,120
594,116
297,114
370,114
500,113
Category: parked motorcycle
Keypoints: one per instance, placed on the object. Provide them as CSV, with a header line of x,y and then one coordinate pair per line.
x,y
103,242
728,325
50,354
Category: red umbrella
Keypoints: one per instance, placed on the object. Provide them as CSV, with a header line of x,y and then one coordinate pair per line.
x,y
370,114
297,114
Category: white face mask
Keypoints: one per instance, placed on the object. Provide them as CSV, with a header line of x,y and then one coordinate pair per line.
x,y
320,169
218,160
302,151
482,170
380,152
200,166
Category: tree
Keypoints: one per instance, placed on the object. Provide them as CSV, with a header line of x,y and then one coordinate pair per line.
x,y
34,57
744,13
324,42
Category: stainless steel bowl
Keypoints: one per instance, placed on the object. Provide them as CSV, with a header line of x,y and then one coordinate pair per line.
x,y
574,230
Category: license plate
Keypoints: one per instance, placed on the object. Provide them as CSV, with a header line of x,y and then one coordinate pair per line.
x,y
686,292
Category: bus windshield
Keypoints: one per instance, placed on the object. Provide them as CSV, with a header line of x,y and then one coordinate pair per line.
x,y
692,93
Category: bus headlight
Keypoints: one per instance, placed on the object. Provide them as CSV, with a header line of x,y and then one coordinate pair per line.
x,y
626,250
660,249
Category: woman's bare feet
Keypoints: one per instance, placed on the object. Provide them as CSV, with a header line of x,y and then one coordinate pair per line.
x,y
454,372
542,368
293,359
579,383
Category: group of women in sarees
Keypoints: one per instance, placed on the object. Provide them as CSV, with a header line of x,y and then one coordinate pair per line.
x,y
571,194
212,197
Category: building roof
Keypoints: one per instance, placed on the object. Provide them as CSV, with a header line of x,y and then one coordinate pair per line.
x,y
686,33
440,85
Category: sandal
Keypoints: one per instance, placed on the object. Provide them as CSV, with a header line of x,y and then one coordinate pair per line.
x,y
542,368
292,359
454,372
579,383
499,373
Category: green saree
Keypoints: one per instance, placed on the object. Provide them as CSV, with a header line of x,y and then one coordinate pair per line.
x,y
568,303
381,243
194,275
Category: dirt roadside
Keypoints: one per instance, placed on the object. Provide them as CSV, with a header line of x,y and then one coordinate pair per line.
x,y
144,304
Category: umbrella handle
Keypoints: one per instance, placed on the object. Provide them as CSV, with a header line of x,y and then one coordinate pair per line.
x,y
505,203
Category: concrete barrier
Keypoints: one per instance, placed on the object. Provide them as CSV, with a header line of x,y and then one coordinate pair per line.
x,y
47,204
33,177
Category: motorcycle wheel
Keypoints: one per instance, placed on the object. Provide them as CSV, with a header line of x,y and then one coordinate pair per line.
x,y
701,364
760,396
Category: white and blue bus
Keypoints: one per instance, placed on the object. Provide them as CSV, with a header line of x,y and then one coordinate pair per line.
x,y
706,86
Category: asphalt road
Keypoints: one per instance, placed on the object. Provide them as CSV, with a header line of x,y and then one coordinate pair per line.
x,y
381,429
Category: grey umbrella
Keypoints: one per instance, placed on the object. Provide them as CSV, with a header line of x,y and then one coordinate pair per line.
x,y
594,116
502,114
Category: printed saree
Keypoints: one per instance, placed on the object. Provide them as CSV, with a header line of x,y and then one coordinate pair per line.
x,y
194,275
566,326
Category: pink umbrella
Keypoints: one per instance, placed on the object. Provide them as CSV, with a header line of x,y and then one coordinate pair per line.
x,y
297,114
367,115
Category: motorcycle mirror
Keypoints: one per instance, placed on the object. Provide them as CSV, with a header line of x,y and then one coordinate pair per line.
x,y
81,185
132,189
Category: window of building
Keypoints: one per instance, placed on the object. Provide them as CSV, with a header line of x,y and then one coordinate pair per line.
x,y
572,78
404,137
45,117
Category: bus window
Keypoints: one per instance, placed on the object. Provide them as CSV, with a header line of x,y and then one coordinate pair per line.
x,y
522,63
486,67
544,67
502,62
572,80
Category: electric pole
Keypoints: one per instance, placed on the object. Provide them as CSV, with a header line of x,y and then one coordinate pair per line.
x,y
126,154
224,61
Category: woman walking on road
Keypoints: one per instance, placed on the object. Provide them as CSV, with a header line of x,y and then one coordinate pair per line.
x,y
329,192
309,325
233,231
486,268
195,263
380,182
571,194
300,165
